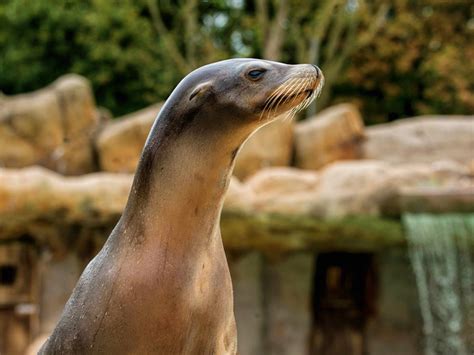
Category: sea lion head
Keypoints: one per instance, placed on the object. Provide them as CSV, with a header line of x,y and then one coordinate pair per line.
x,y
248,90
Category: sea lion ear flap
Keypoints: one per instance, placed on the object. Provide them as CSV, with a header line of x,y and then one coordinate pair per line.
x,y
201,90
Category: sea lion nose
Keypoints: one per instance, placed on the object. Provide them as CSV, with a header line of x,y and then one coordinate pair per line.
x,y
318,71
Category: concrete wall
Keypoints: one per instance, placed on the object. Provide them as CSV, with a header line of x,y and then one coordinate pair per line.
x,y
273,302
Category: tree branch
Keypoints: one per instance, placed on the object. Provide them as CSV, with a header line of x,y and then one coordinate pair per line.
x,y
191,30
262,22
167,38
276,35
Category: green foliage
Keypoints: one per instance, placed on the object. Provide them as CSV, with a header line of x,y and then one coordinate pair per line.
x,y
419,63
109,42
393,59
36,40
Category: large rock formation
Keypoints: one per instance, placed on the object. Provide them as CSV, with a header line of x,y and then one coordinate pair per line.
x,y
423,139
52,127
278,208
34,199
416,165
238,197
31,194
334,134
120,143
283,190
352,188
271,145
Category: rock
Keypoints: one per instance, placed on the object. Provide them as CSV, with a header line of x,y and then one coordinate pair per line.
x,y
424,139
271,145
238,197
282,190
52,127
430,199
272,182
33,194
350,188
342,189
120,143
275,211
334,134
36,344
374,187
65,213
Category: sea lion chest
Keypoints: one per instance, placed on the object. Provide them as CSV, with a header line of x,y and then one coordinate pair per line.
x,y
151,302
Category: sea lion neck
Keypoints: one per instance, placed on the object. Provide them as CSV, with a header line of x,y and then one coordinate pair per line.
x,y
188,157
183,174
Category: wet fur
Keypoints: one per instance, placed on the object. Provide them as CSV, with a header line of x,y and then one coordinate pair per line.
x,y
161,283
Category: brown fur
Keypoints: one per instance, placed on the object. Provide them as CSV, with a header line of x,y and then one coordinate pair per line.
x,y
161,283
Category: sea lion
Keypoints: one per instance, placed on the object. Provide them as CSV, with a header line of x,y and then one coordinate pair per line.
x,y
161,283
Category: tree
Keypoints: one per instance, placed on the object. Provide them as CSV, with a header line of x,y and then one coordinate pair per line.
x,y
109,42
420,62
282,30
392,58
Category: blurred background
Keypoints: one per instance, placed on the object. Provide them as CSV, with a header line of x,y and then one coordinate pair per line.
x,y
393,59
348,231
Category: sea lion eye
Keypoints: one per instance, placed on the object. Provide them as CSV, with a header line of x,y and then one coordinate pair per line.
x,y
256,74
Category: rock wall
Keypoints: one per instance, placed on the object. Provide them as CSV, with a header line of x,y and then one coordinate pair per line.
x,y
334,134
425,139
271,145
306,205
120,143
53,127
301,189
60,128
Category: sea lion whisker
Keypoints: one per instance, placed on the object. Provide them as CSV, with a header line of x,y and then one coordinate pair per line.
x,y
269,101
271,104
298,107
297,89
307,102
307,83
287,85
281,97
288,92
319,89
304,104
309,99
273,95
280,88
290,115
